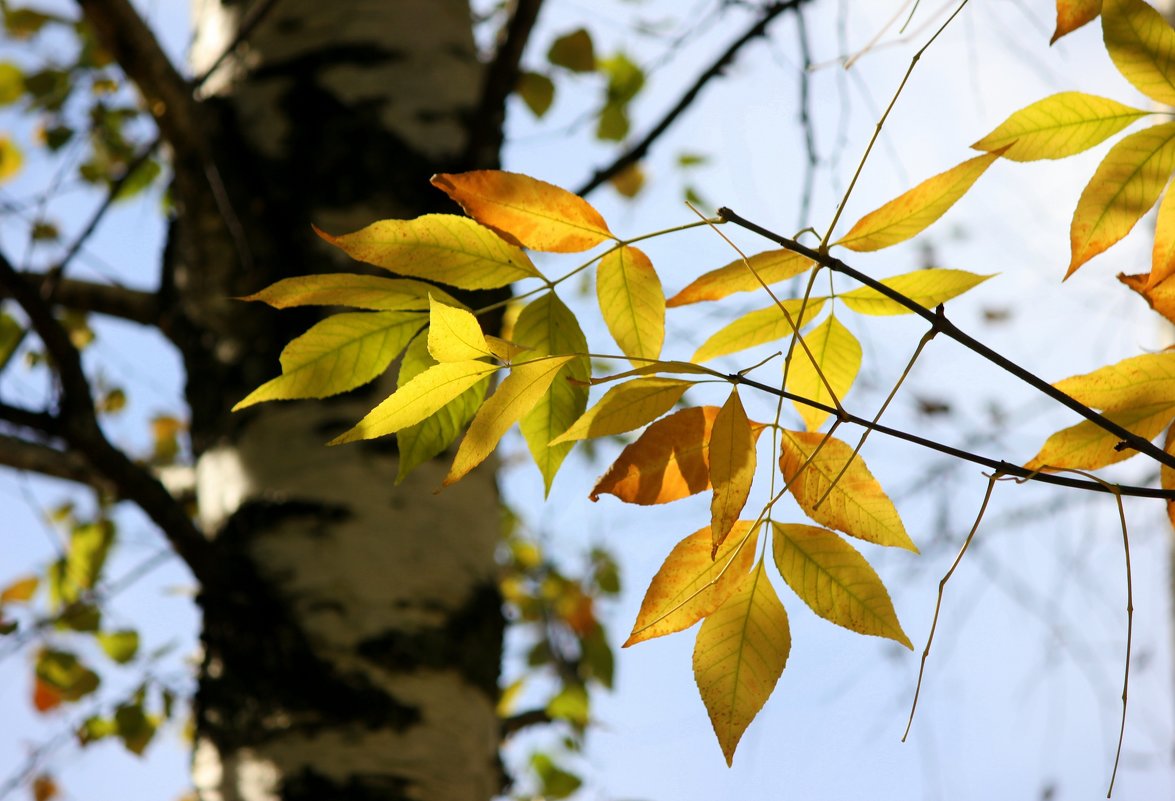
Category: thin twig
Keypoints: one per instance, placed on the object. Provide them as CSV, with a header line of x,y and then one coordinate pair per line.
x,y
253,17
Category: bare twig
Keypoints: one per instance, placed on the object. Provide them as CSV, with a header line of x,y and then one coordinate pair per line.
x,y
21,454
108,299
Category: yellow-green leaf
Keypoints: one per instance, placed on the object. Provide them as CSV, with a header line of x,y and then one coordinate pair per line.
x,y
1163,251
632,303
739,656
11,159
546,327
350,289
1058,126
11,83
912,212
653,368
514,397
340,353
625,407
1124,187
1142,45
438,247
526,211
838,358
1132,383
927,288
1072,14
454,335
419,398
732,466
1088,446
121,646
855,505
422,441
693,581
770,267
537,92
573,51
757,328
835,581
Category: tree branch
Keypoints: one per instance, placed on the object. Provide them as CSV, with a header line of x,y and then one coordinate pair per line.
x,y
501,76
21,454
942,325
719,65
80,430
168,95
108,299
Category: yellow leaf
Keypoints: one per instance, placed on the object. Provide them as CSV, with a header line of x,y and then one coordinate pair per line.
x,y
1161,297
454,335
19,591
694,581
912,212
349,289
632,303
438,247
1142,46
422,441
1072,14
1163,252
856,505
1124,187
514,397
927,288
835,581
652,368
757,328
838,358
11,159
526,211
1058,126
771,267
340,353
732,466
625,407
419,398
739,656
1087,446
1145,380
546,327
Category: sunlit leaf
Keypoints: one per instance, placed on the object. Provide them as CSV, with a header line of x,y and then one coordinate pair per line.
x,y
835,581
1161,297
454,335
338,354
655,368
912,212
855,505
632,302
526,211
64,673
1088,446
514,397
669,461
693,581
740,654
838,358
11,159
927,288
732,466
350,289
548,328
438,247
1059,126
89,545
1163,251
1072,14
1124,187
573,51
625,407
121,646
758,328
20,591
1167,475
11,83
771,267
1138,381
1142,46
537,92
422,396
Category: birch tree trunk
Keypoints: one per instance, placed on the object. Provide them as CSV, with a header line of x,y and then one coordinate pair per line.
x,y
352,637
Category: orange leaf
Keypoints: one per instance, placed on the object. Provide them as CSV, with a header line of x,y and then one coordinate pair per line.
x,y
525,210
1124,187
19,591
46,697
669,461
1167,475
693,581
1072,14
732,466
1160,297
770,267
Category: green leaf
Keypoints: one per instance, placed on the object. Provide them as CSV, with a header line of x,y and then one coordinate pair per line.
x,y
1059,126
556,782
350,289
547,327
835,581
64,672
11,83
757,328
632,303
927,288
135,727
89,545
11,335
537,92
570,704
121,646
625,407
416,400
338,354
573,51
438,247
